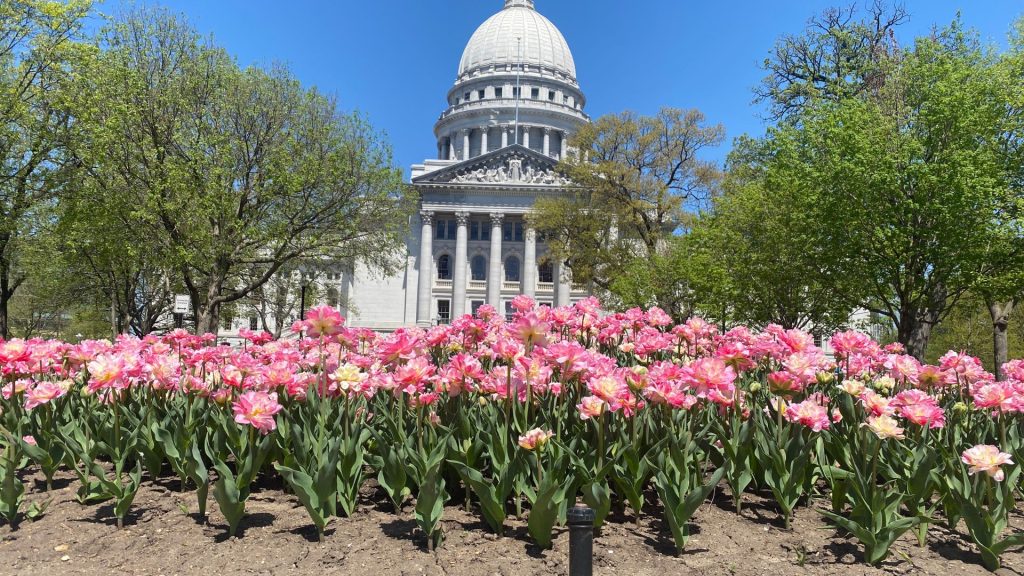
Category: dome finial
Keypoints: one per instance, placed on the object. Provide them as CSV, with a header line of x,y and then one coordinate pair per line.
x,y
524,3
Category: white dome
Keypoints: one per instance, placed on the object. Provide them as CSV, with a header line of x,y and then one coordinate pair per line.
x,y
494,42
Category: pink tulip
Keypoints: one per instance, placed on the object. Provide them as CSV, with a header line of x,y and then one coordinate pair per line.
x,y
257,409
42,393
987,459
535,439
590,407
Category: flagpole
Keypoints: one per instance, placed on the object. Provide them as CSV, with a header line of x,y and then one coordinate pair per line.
x,y
519,90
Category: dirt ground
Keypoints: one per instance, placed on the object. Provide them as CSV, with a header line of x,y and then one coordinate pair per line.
x,y
164,536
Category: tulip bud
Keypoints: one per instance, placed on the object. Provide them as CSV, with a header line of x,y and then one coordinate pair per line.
x,y
960,408
482,401
885,384
755,387
825,378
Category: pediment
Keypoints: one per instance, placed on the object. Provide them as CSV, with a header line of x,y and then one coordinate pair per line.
x,y
510,166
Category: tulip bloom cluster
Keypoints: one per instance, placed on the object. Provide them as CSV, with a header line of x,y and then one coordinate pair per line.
x,y
530,414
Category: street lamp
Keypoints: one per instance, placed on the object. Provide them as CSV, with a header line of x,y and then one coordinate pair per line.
x,y
304,280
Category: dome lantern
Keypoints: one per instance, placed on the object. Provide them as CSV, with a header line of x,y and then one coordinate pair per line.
x,y
523,3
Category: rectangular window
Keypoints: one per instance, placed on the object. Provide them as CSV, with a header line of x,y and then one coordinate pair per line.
x,y
506,231
476,304
474,230
548,304
254,323
519,231
480,95
451,230
497,92
516,92
509,311
444,311
466,96
439,233
485,231
545,273
535,93
551,95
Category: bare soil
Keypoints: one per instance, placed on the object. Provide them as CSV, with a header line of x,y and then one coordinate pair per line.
x,y
165,536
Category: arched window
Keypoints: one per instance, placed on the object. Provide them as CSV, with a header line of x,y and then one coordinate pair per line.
x,y
512,269
332,297
546,272
478,268
444,267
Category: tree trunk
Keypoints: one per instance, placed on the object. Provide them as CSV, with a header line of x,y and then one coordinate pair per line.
x,y
209,320
6,292
4,328
913,332
1000,312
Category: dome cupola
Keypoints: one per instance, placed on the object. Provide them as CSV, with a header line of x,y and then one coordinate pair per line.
x,y
516,84
518,35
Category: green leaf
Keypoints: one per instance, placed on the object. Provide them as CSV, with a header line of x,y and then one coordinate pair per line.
x,y
543,513
492,507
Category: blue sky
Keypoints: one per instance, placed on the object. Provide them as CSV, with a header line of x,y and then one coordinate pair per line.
x,y
394,60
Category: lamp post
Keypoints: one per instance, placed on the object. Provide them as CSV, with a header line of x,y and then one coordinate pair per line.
x,y
302,301
304,278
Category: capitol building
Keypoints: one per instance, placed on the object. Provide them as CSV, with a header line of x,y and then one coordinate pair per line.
x,y
513,106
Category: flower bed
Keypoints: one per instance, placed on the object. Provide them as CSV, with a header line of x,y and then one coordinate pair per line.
x,y
528,417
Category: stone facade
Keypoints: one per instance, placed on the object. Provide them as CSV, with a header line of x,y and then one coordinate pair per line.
x,y
510,113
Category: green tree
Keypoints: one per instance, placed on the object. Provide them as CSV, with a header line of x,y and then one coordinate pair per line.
x,y
839,55
639,178
37,41
233,173
760,236
968,328
1002,287
908,185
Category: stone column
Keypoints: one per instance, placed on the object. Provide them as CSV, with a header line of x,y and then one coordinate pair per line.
x,y
465,144
494,278
563,283
530,262
547,142
562,286
459,276
426,279
504,136
483,140
565,145
451,147
526,136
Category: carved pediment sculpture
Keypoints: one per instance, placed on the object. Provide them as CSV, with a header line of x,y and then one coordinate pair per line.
x,y
513,171
512,165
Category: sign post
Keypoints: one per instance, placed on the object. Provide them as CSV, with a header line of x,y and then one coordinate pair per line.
x,y
182,305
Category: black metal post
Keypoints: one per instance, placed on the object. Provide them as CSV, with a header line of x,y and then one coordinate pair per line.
x,y
302,302
179,320
581,541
